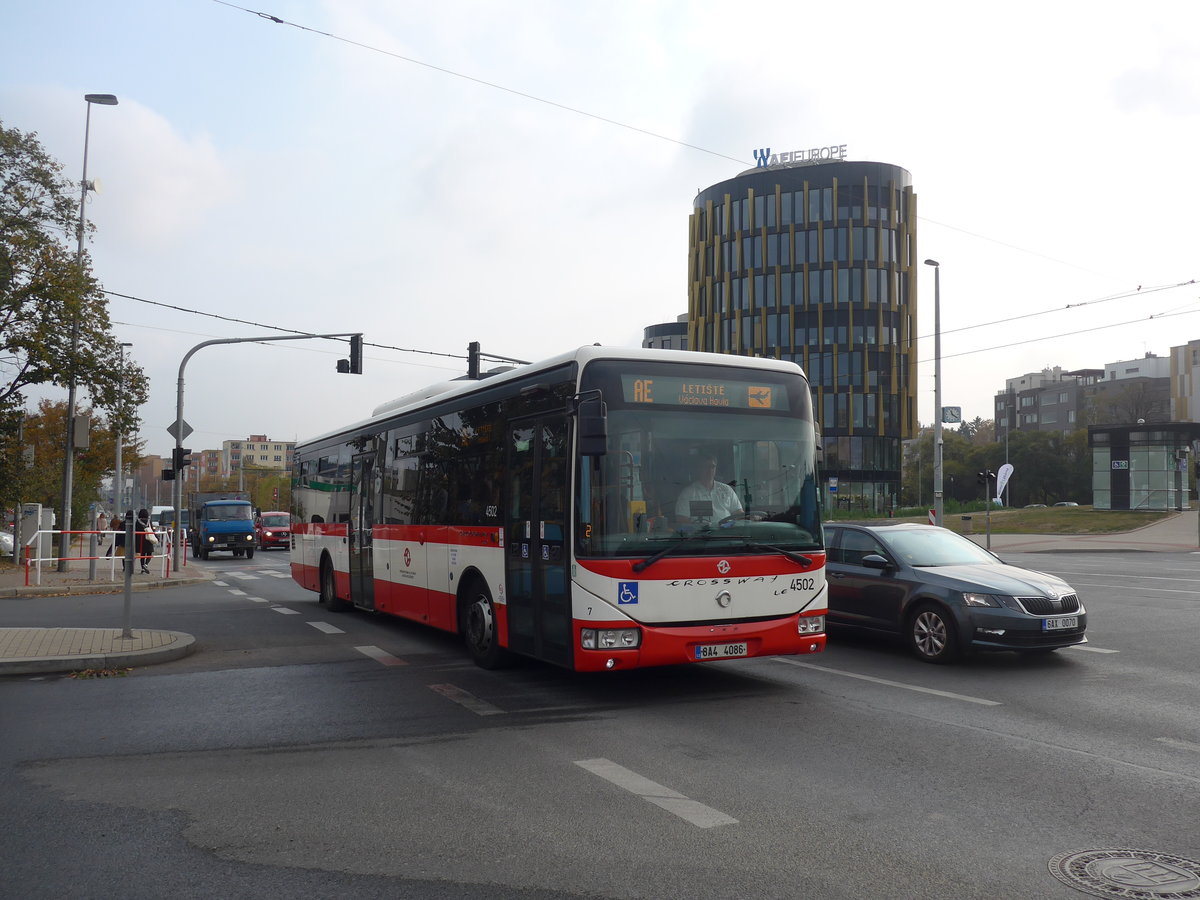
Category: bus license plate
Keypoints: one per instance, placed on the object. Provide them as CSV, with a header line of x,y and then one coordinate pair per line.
x,y
720,651
1060,623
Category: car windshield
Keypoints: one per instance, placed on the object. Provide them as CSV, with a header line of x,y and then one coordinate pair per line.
x,y
275,521
935,548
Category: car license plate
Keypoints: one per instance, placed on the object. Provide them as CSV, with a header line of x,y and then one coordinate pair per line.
x,y
1060,623
721,651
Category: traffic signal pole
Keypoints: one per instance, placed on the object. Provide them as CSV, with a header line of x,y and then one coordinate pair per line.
x,y
179,452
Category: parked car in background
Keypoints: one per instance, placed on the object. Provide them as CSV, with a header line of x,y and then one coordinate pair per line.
x,y
1035,505
943,594
274,530
1066,503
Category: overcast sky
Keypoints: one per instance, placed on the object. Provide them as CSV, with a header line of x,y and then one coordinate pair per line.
x,y
438,192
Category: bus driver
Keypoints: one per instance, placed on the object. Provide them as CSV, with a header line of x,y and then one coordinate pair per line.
x,y
706,500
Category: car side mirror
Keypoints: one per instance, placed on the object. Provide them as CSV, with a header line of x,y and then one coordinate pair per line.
x,y
875,561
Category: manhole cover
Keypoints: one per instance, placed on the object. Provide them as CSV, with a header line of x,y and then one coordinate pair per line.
x,y
1141,874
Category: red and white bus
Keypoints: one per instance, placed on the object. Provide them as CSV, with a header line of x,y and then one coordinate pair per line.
x,y
549,511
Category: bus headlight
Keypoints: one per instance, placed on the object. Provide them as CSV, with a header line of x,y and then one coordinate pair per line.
x,y
810,625
610,638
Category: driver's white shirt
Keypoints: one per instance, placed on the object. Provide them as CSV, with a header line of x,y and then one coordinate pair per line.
x,y
723,498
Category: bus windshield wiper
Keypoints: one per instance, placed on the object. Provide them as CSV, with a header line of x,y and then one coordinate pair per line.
x,y
794,557
644,564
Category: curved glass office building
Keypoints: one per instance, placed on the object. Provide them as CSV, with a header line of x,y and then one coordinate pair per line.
x,y
816,262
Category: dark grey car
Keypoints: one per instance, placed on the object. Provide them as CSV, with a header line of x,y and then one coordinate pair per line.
x,y
945,595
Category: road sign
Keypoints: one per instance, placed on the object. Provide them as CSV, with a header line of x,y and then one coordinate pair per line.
x,y
186,429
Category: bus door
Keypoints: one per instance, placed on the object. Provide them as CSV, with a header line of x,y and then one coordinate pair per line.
x,y
362,520
538,589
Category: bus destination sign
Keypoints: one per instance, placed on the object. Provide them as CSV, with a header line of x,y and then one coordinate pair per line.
x,y
720,392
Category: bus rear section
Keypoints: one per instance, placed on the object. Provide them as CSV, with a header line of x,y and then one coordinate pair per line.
x,y
498,511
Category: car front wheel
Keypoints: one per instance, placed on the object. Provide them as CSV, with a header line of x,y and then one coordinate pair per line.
x,y
932,635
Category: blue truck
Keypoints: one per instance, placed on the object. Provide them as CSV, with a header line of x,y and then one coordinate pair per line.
x,y
221,520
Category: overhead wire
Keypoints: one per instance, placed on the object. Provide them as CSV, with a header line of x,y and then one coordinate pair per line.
x,y
212,315
269,17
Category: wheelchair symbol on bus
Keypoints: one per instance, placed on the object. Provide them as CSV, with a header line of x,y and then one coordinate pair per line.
x,y
627,592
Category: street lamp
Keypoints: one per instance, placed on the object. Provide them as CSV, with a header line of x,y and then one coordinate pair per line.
x,y
938,499
69,456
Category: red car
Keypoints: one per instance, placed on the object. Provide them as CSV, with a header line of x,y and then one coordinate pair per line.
x,y
274,530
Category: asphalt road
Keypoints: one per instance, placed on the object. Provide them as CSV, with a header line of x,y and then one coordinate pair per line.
x,y
304,753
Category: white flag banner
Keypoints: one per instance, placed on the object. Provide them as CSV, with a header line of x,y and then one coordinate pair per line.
x,y
1002,476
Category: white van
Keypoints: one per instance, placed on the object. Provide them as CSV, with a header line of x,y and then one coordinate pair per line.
x,y
163,517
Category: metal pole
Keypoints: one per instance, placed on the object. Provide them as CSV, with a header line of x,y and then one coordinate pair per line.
x,y
69,456
938,499
129,551
178,490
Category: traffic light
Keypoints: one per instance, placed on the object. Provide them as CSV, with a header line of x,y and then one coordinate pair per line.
x,y
356,354
168,474
180,457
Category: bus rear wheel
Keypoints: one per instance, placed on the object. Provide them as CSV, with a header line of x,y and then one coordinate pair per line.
x,y
329,596
479,628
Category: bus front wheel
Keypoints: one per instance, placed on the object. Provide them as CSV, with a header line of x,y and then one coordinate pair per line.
x,y
479,628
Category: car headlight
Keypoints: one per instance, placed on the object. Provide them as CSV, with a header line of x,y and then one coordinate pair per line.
x,y
810,625
266,534
610,638
979,599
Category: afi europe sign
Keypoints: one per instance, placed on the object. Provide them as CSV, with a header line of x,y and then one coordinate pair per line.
x,y
765,158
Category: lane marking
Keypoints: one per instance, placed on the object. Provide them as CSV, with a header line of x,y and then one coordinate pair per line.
x,y
279,574
466,699
285,611
663,797
1090,648
1180,745
258,599
237,593
381,656
326,627
221,583
899,684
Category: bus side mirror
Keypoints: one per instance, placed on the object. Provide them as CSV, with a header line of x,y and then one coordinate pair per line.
x,y
592,428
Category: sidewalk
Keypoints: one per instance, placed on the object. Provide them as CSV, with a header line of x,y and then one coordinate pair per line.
x,y
29,651
1178,534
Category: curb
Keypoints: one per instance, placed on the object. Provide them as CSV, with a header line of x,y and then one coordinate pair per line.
x,y
183,645
98,587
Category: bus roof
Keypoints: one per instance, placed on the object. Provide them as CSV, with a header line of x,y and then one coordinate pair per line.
x,y
463,386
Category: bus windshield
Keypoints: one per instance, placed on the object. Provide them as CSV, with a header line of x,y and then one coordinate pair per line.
x,y
713,479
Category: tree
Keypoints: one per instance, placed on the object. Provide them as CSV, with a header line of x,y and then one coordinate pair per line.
x,y
978,430
46,437
47,289
1138,400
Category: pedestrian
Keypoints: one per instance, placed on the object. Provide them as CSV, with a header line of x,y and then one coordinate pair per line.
x,y
101,528
146,541
118,528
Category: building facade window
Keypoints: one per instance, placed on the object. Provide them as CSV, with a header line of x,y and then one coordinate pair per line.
x,y
820,266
